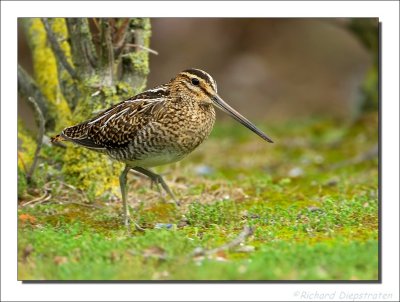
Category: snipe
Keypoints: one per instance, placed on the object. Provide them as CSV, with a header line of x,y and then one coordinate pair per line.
x,y
158,126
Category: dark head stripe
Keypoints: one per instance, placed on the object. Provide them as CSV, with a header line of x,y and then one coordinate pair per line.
x,y
202,75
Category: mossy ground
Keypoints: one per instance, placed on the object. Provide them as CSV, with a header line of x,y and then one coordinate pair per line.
x,y
314,210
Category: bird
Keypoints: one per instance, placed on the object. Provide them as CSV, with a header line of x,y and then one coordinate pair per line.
x,y
159,126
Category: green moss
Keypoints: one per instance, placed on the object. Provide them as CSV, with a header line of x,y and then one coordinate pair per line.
x,y
322,225
22,183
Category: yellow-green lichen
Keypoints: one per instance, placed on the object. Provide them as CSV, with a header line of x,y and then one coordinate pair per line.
x,y
85,97
67,83
125,90
26,147
59,27
91,171
46,73
140,62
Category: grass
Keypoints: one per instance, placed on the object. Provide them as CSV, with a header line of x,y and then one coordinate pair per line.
x,y
310,198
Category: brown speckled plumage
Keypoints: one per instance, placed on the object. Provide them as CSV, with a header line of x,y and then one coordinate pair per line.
x,y
159,122
159,126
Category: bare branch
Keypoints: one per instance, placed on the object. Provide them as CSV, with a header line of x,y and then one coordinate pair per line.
x,y
143,47
246,232
55,46
106,52
120,37
39,140
27,87
45,197
83,51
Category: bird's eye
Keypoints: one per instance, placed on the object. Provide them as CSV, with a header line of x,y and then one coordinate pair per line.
x,y
195,81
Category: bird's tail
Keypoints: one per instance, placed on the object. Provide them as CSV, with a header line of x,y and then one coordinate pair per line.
x,y
57,138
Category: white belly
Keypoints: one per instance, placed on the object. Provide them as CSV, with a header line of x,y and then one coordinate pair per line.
x,y
156,160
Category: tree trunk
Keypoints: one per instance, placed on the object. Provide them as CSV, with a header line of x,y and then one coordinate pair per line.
x,y
82,67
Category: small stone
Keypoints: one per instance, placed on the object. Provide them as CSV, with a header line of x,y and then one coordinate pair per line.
x,y
204,170
332,182
242,269
319,159
167,226
296,172
198,251
314,209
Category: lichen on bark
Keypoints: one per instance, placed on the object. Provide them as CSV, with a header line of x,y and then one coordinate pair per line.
x,y
45,69
74,100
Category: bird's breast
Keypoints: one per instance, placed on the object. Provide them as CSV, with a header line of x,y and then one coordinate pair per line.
x,y
195,127
168,138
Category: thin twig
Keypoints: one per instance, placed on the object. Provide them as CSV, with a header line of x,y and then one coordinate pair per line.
x,y
55,46
120,38
107,52
46,196
82,47
246,232
85,204
96,24
39,140
121,33
27,87
80,192
142,47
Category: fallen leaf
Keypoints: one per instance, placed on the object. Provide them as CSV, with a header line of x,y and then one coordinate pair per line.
x,y
26,218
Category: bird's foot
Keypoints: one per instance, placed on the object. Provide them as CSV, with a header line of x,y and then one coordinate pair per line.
x,y
177,203
128,226
139,228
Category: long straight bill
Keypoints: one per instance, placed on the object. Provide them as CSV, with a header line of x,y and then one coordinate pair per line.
x,y
240,118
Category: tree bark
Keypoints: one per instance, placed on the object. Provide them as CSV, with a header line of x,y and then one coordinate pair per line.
x,y
80,70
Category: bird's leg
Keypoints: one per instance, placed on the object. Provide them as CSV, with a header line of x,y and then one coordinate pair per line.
x,y
158,180
122,182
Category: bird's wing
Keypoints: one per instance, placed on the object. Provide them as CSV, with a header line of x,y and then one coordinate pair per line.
x,y
118,125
